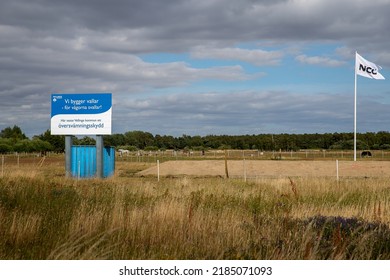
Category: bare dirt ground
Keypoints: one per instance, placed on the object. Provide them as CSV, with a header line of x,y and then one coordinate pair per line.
x,y
271,168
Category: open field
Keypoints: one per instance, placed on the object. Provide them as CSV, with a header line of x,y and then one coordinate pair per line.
x,y
131,216
271,168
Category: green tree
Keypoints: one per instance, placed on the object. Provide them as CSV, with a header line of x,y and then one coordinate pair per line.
x,y
165,142
139,139
114,140
39,145
6,145
13,133
86,140
24,145
56,141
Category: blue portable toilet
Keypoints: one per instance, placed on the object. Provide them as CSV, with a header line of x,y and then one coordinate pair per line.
x,y
83,159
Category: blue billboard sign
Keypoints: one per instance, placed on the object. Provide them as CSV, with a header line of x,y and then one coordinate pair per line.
x,y
81,113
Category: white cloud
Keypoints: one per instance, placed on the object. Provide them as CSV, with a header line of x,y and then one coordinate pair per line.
x,y
256,57
319,60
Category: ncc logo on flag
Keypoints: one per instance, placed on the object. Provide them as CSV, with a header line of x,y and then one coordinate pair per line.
x,y
367,69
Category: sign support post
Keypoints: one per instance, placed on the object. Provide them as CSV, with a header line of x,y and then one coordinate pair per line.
x,y
68,156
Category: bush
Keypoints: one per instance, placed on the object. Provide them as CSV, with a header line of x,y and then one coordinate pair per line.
x,y
5,148
151,148
24,146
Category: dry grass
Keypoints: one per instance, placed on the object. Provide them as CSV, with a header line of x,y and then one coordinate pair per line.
x,y
46,216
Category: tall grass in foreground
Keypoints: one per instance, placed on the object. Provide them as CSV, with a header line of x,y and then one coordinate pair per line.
x,y
49,217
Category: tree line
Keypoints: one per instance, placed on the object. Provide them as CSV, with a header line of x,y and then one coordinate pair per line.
x,y
264,142
12,139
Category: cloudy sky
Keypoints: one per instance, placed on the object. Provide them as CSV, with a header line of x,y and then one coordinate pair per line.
x,y
198,67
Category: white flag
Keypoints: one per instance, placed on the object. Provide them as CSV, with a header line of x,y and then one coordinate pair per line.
x,y
367,69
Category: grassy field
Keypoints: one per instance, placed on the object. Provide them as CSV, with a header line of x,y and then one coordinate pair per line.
x,y
46,216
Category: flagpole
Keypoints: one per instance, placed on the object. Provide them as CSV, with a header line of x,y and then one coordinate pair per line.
x,y
354,115
369,70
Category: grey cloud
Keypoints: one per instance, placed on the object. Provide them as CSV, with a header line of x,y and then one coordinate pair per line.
x,y
79,46
31,73
257,112
178,25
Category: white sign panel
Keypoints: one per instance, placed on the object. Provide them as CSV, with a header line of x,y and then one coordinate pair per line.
x,y
81,114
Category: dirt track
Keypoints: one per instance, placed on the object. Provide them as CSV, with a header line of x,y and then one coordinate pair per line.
x,y
271,168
